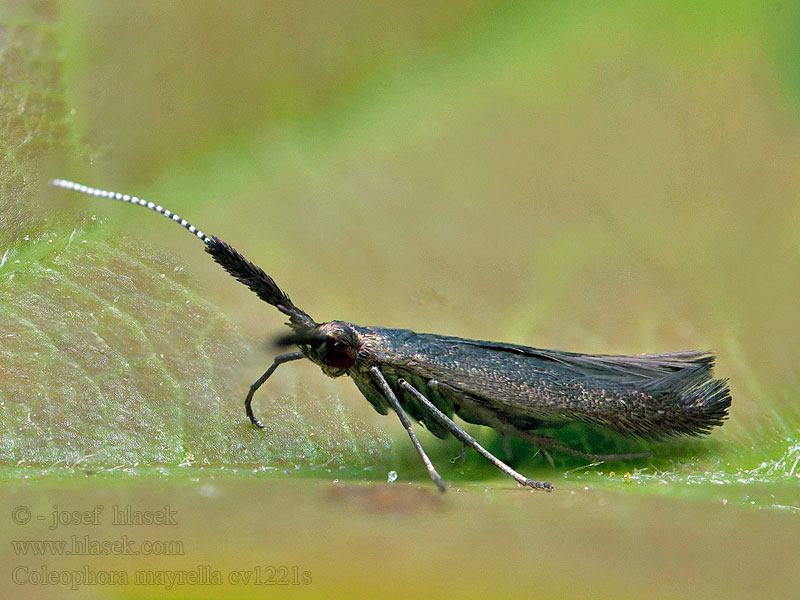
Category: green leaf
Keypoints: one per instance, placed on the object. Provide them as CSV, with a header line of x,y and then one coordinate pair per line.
x,y
108,353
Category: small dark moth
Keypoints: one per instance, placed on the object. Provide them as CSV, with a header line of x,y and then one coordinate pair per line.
x,y
510,388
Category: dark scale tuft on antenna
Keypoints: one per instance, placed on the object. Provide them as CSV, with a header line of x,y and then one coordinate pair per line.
x,y
256,279
233,262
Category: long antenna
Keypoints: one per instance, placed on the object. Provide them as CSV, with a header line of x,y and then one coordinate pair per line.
x,y
90,191
226,256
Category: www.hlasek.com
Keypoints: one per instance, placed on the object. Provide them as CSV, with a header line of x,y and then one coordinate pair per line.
x,y
86,545
168,579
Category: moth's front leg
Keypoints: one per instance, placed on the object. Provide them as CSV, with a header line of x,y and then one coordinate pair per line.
x,y
257,384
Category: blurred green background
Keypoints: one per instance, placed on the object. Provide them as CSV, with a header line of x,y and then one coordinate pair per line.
x,y
611,178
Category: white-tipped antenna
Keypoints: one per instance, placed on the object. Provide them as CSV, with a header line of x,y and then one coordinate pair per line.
x,y
85,189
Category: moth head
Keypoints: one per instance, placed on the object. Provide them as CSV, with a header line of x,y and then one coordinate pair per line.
x,y
333,346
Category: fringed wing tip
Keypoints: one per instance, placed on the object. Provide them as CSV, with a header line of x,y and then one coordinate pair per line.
x,y
708,404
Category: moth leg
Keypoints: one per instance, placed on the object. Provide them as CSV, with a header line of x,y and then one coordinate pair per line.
x,y
462,457
467,439
537,439
278,360
506,448
549,458
542,442
387,391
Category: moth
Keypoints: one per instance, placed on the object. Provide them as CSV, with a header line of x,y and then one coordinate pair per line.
x,y
511,388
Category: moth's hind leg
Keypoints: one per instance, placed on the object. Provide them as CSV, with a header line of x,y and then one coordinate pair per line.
x,y
468,440
387,391
509,456
542,442
259,382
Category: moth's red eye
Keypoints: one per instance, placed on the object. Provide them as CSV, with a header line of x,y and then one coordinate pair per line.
x,y
339,356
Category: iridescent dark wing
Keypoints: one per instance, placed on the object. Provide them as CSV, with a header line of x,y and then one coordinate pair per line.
x,y
648,395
